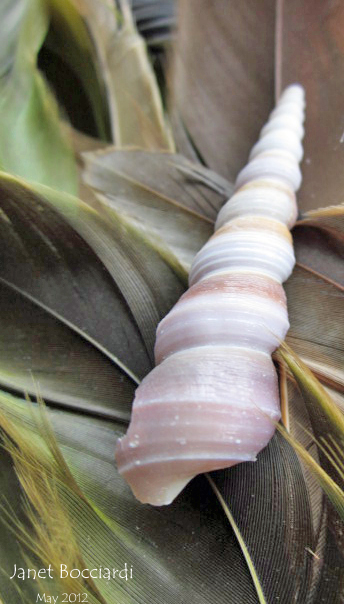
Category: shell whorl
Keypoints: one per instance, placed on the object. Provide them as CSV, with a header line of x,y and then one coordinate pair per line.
x,y
212,400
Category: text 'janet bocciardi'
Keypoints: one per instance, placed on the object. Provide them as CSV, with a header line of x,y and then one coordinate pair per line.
x,y
63,572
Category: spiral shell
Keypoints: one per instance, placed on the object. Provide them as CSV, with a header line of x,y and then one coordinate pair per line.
x,y
212,400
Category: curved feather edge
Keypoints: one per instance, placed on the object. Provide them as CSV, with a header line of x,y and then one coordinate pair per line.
x,y
241,541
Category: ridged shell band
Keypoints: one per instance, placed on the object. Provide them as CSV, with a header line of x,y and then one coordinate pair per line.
x,y
212,400
263,246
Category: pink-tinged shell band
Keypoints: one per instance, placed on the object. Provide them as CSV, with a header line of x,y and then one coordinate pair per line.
x,y
212,400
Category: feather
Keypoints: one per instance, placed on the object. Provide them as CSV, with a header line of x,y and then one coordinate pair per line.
x,y
212,400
